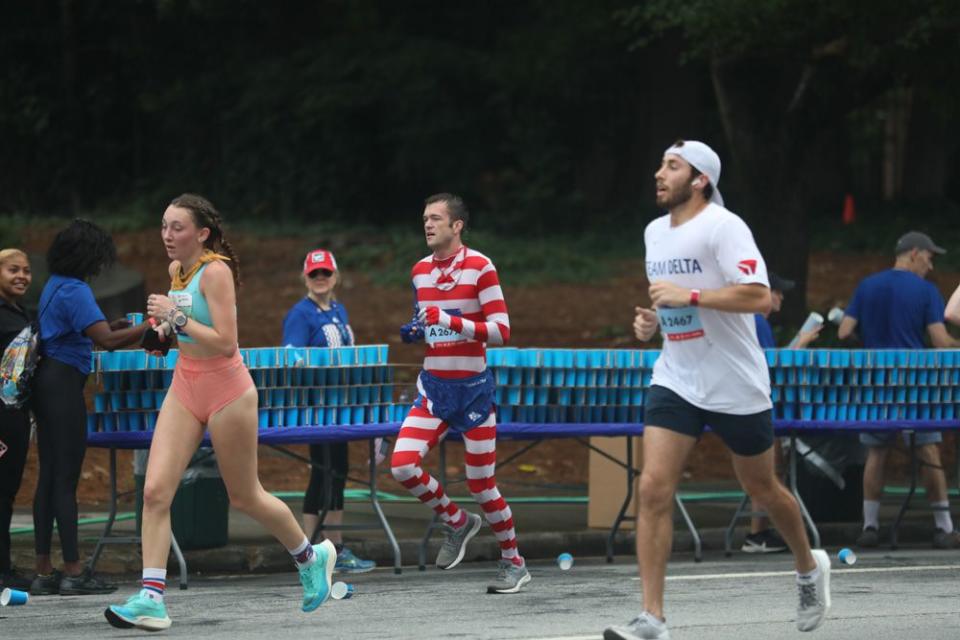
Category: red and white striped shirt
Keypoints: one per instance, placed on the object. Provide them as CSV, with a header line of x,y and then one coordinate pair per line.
x,y
466,286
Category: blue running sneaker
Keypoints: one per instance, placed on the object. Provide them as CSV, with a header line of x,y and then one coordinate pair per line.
x,y
316,578
140,612
347,562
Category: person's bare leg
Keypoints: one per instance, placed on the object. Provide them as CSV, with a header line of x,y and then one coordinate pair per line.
x,y
934,478
175,439
873,473
312,520
759,480
233,432
665,453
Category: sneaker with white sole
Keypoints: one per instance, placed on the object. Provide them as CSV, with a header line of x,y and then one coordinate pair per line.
x,y
348,562
646,626
766,541
317,578
510,578
814,594
139,611
453,548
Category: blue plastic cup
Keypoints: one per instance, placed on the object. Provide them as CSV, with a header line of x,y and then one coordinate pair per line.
x,y
135,318
13,597
565,561
846,556
341,591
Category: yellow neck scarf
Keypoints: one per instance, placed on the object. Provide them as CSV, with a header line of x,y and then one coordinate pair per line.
x,y
181,280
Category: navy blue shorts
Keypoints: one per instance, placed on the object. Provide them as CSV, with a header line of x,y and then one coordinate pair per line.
x,y
463,403
746,435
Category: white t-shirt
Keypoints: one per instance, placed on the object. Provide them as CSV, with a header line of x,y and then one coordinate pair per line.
x,y
710,358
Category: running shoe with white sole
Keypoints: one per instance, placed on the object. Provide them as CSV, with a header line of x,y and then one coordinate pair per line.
x,y
454,547
814,594
510,578
317,578
139,611
766,541
646,626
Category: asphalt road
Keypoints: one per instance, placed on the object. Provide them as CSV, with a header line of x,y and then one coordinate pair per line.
x,y
905,594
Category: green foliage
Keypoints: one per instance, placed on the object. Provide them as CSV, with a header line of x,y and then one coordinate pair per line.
x,y
388,255
879,225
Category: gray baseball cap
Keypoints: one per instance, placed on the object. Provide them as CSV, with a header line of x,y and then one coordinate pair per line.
x,y
917,240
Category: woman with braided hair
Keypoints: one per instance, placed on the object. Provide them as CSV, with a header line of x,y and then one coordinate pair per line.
x,y
211,389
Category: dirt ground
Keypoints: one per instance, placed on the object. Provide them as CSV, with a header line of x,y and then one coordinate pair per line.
x,y
597,316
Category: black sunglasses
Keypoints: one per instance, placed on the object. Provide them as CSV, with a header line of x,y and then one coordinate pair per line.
x,y
326,273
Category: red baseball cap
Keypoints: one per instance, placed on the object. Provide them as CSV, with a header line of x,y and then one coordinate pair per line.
x,y
319,259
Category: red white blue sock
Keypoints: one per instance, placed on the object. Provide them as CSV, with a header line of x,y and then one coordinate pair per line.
x,y
154,584
304,555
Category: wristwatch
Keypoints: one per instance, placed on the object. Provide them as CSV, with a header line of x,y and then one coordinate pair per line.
x,y
178,319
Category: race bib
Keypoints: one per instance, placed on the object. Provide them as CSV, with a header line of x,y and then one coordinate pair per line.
x,y
183,300
681,323
435,334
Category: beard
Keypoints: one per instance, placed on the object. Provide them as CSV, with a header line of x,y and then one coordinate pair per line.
x,y
675,198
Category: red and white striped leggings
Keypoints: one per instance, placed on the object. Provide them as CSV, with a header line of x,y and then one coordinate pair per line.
x,y
422,431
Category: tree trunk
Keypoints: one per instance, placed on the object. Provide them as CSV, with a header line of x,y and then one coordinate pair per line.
x,y
766,163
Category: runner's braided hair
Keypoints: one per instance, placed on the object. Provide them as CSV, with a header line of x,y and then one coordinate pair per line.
x,y
205,215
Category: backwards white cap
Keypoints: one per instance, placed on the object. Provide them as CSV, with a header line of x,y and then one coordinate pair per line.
x,y
703,159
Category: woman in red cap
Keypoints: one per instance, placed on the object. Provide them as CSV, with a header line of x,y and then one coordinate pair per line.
x,y
318,320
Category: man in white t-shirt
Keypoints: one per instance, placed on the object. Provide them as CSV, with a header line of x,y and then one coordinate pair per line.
x,y
707,280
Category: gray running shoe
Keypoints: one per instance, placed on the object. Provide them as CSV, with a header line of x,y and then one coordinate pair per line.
x,y
946,539
869,538
646,626
453,548
509,578
814,595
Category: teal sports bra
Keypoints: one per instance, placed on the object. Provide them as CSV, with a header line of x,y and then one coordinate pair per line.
x,y
192,302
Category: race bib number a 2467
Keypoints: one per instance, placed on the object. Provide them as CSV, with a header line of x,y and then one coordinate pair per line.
x,y
682,323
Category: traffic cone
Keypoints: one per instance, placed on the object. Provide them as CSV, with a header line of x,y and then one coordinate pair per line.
x,y
849,210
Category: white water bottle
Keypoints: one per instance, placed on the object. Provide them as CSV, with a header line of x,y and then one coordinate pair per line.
x,y
813,322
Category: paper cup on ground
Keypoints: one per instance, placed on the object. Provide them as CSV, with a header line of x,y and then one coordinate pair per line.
x,y
341,591
847,556
565,561
12,597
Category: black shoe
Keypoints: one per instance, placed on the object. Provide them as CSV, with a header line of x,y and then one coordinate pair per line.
x,y
869,538
85,584
13,579
945,539
766,541
46,585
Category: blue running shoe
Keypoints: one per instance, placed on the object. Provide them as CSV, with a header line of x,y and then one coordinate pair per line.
x,y
140,612
316,578
347,562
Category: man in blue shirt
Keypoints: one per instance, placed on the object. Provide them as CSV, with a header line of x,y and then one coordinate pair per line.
x,y
896,309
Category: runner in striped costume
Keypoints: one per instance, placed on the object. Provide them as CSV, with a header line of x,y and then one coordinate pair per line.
x,y
459,309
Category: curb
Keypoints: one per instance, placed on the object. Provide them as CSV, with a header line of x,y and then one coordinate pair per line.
x,y
264,555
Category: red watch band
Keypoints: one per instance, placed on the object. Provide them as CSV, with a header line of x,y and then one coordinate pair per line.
x,y
694,297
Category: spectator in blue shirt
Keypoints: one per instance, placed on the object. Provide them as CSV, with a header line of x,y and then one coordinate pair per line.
x,y
897,309
70,324
318,320
762,537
